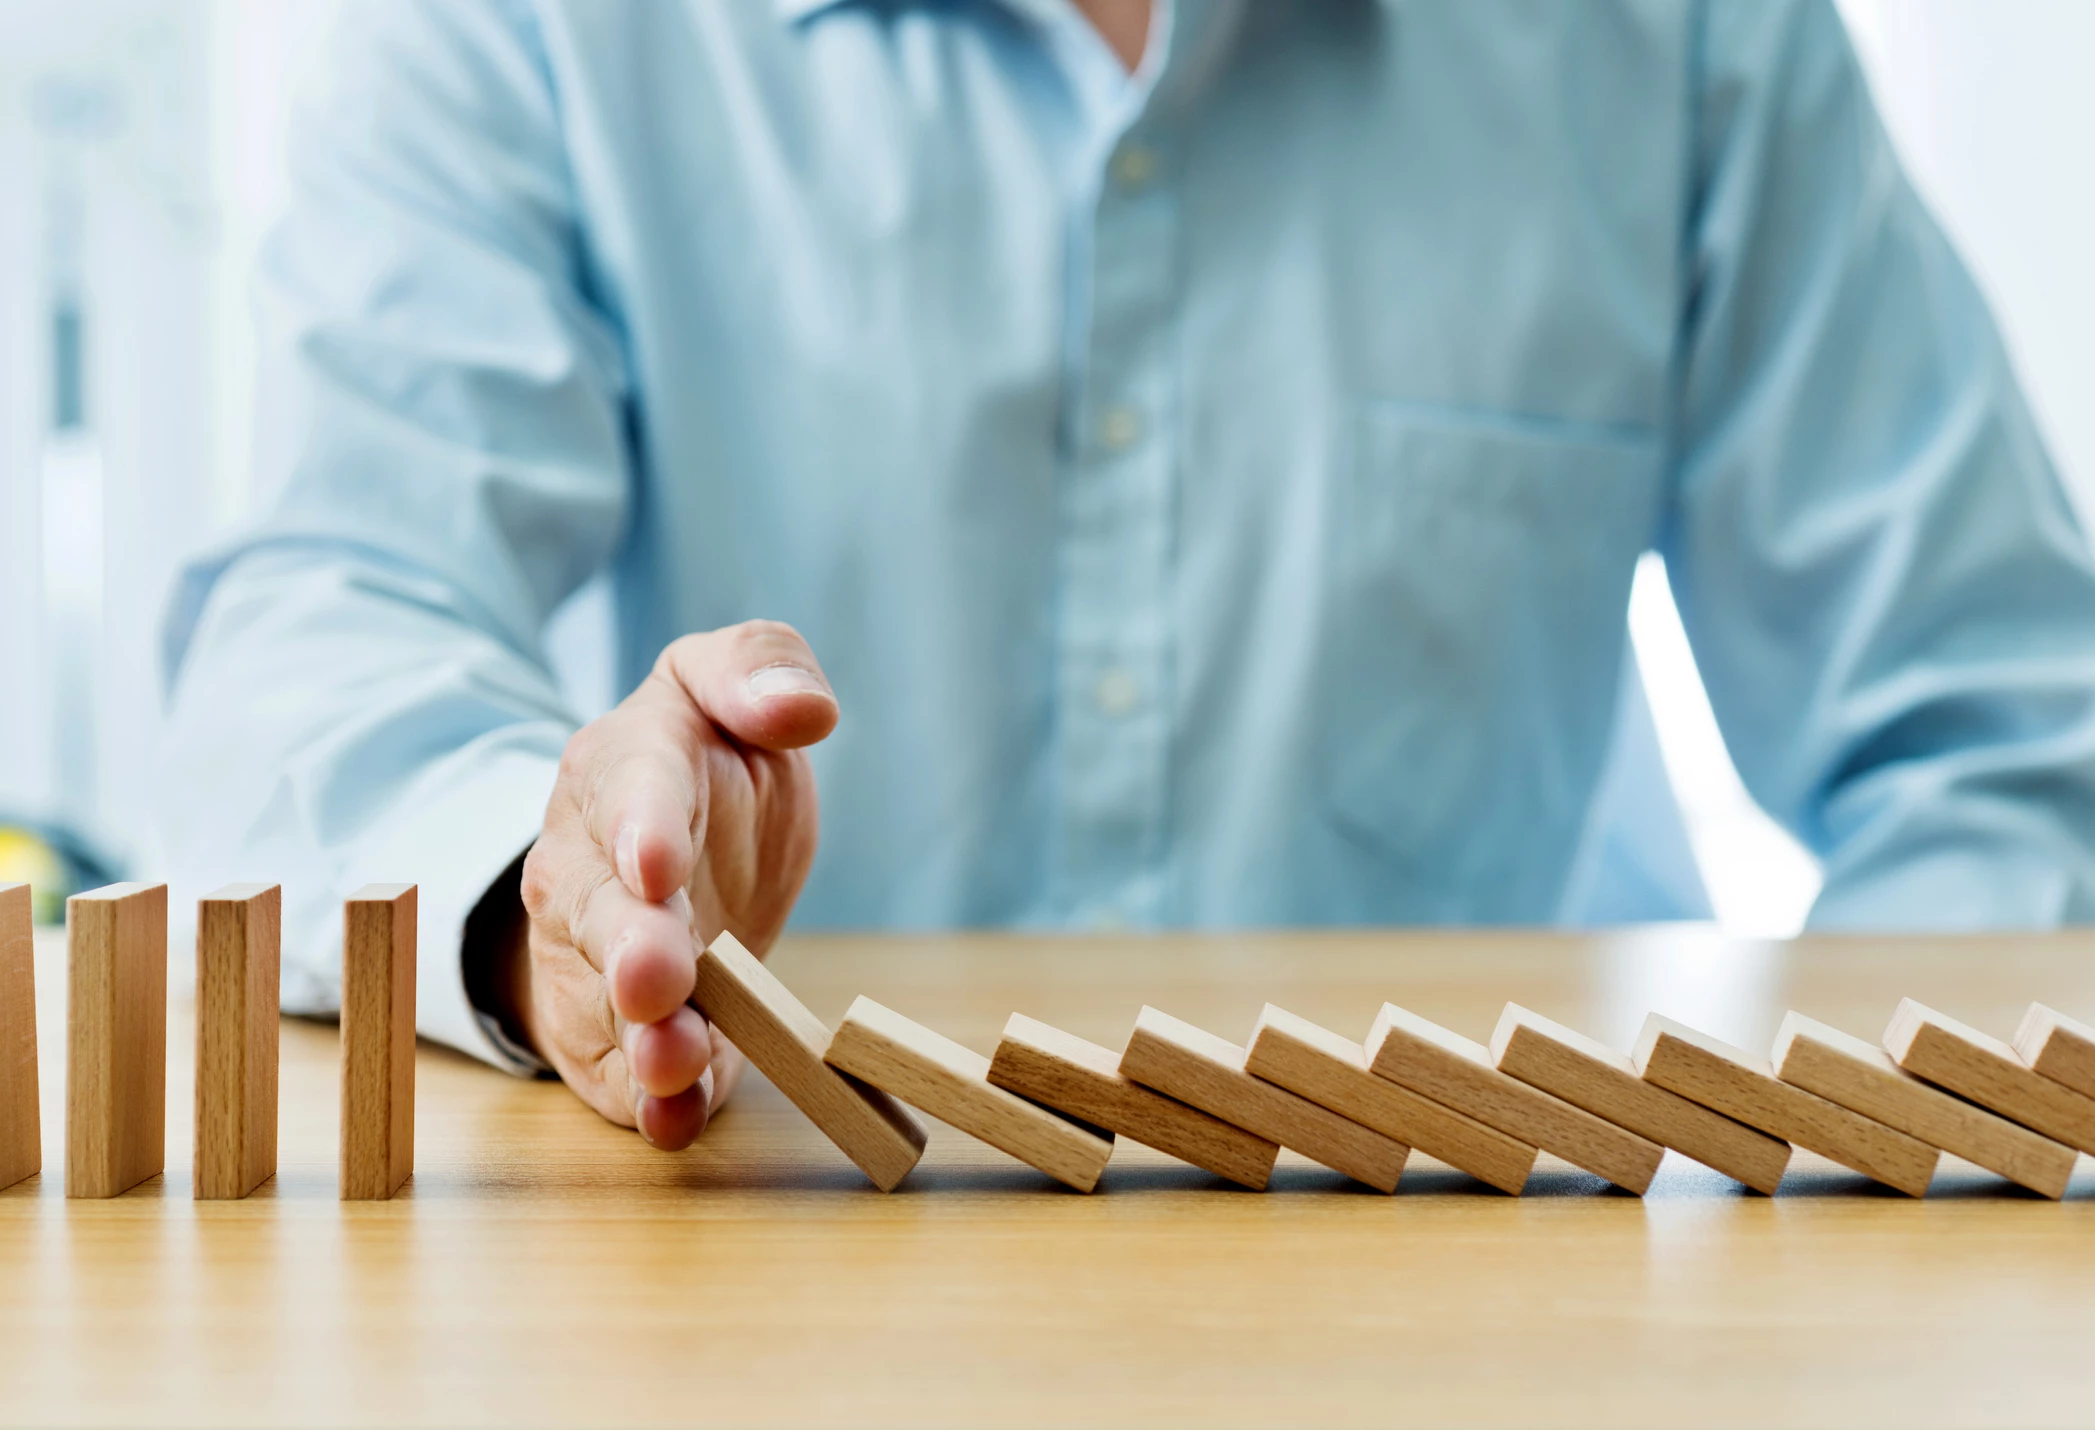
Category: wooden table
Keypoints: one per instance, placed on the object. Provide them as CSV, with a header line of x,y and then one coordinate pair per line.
x,y
543,1267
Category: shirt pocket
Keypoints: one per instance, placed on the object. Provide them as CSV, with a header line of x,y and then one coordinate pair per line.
x,y
1476,585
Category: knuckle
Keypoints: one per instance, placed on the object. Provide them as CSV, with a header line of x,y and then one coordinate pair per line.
x,y
538,882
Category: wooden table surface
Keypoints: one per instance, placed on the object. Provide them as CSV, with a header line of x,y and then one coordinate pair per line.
x,y
543,1267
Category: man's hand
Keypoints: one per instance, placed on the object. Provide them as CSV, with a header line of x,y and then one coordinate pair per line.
x,y
687,810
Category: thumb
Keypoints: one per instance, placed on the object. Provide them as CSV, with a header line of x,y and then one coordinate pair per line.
x,y
757,681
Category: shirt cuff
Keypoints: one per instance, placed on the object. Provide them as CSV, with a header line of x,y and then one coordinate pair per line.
x,y
459,831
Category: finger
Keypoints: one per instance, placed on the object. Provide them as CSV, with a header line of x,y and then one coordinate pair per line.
x,y
640,777
673,1123
758,681
667,1057
646,951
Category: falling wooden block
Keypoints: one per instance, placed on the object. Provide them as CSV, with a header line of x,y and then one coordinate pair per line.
x,y
931,1072
1084,1080
1742,1086
116,1039
238,931
1194,1066
2059,1047
21,1130
378,1041
776,1032
1332,1071
1592,1075
1862,1078
1986,1070
1443,1065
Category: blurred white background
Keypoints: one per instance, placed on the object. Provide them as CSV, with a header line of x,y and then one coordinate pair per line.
x,y
140,164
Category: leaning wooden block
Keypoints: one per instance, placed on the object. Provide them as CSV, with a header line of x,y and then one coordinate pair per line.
x,y
1971,1064
1739,1085
2059,1047
1443,1065
1332,1071
21,1129
1862,1078
238,930
1084,1080
1592,1075
1192,1065
116,1039
775,1031
378,1041
930,1071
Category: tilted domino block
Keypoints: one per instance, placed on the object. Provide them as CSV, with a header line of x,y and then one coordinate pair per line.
x,y
1742,1086
777,1033
1080,1078
931,1072
1971,1064
1862,1078
2059,1047
1594,1076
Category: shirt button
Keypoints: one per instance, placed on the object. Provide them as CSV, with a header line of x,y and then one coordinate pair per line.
x,y
1120,428
1134,166
1117,693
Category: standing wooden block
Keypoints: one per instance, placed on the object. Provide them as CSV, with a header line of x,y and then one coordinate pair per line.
x,y
2059,1047
1741,1086
378,1041
1193,1065
1986,1070
116,1039
1441,1064
1592,1075
775,1031
1862,1077
1084,1080
931,1072
238,953
21,1130
1332,1071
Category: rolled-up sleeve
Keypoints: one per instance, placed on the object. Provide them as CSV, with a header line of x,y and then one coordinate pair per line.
x,y
1889,596
357,688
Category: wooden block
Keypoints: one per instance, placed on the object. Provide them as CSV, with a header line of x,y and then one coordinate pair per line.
x,y
116,1039
1594,1076
1742,1086
21,1129
931,1072
1971,1064
238,953
2059,1047
1194,1066
1441,1064
1332,1071
1862,1078
378,1041
1084,1080
776,1032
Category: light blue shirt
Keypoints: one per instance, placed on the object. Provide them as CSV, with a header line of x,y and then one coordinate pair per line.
x,y
1213,492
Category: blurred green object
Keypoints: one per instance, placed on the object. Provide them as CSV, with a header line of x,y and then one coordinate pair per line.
x,y
54,864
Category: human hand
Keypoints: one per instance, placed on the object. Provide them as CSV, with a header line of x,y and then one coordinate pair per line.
x,y
687,810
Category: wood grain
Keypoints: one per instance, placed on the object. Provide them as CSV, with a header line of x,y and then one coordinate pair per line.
x,y
1736,1083
378,1041
1981,1067
238,968
931,1072
1197,1067
786,1042
1861,1077
1083,1080
1592,1075
2059,1047
1439,1063
1331,1070
116,1039
21,1128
